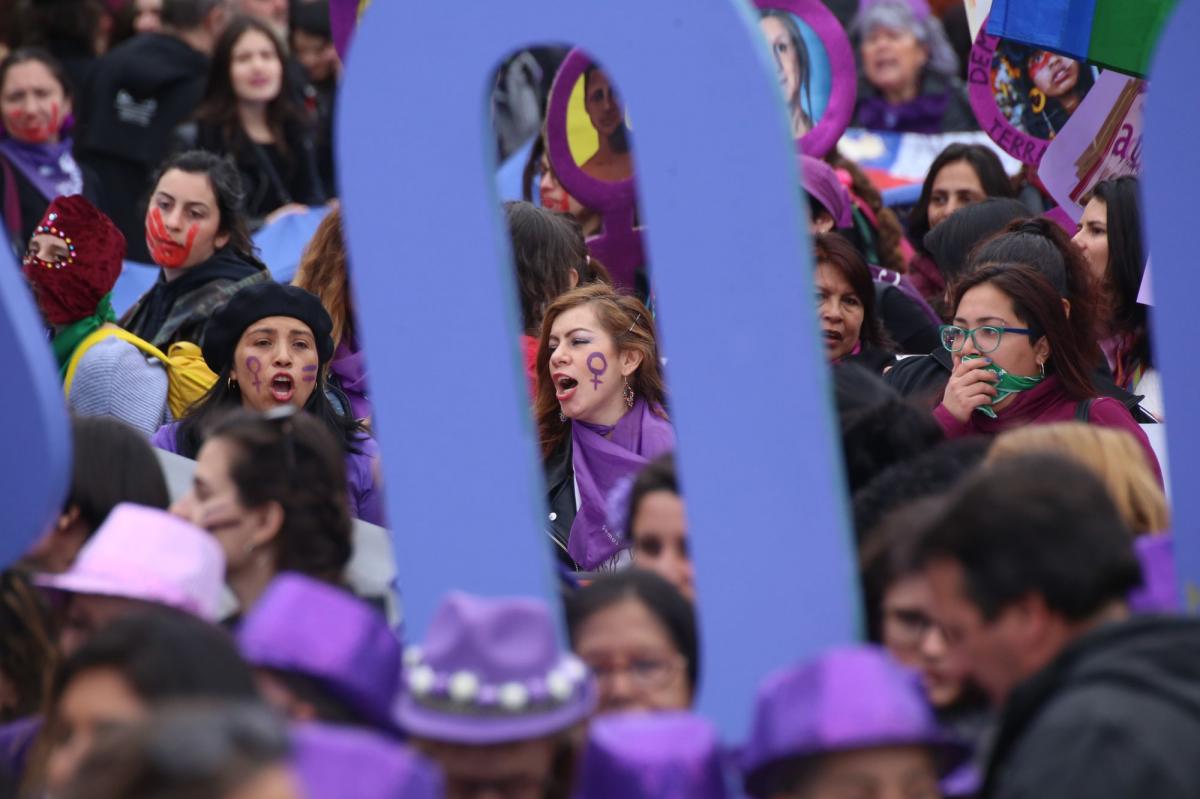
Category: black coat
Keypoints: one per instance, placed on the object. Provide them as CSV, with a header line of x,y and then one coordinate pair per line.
x,y
559,469
135,97
1115,716
271,177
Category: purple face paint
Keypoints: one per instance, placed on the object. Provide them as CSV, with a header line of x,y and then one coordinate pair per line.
x,y
255,366
309,377
597,371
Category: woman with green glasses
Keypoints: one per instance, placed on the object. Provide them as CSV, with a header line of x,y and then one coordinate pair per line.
x,y
1022,355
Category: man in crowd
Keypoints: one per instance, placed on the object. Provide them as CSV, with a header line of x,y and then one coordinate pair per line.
x,y
1030,577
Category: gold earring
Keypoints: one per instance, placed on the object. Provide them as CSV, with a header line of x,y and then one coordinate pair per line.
x,y
1039,100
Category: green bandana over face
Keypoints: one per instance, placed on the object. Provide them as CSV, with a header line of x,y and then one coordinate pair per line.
x,y
1007,385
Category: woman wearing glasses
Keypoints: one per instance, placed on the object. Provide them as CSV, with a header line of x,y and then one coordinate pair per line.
x,y
637,634
270,347
1019,359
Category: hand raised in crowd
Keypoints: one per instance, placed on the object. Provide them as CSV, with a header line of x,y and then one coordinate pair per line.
x,y
970,387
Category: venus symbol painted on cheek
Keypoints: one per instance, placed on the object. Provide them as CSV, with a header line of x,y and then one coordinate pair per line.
x,y
309,374
254,365
597,372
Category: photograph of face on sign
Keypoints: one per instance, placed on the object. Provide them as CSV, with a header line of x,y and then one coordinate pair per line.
x,y
802,67
1035,90
597,128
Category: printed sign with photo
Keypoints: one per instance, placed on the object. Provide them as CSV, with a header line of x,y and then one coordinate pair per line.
x,y
1022,95
815,67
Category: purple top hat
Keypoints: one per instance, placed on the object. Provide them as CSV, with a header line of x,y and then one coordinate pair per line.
x,y
345,763
490,671
819,180
311,628
652,756
149,555
846,699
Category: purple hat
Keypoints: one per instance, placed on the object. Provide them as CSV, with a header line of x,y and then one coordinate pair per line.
x,y
652,756
490,671
343,643
348,763
820,181
149,555
845,699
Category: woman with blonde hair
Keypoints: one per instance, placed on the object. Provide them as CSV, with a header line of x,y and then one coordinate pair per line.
x,y
600,412
1114,455
322,272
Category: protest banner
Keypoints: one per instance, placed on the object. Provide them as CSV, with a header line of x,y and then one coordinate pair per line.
x,y
1102,140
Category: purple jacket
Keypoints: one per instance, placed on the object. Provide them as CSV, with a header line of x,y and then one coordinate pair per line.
x,y
366,500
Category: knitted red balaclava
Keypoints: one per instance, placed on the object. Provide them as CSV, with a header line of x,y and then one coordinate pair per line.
x,y
69,289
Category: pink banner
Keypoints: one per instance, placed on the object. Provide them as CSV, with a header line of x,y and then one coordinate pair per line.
x,y
1102,140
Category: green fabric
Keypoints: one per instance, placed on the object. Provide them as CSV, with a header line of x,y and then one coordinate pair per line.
x,y
1125,33
1006,386
72,335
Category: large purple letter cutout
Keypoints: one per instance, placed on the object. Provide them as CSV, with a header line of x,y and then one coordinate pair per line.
x,y
36,460
1171,173
716,168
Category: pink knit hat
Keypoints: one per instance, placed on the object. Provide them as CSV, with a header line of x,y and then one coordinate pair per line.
x,y
148,554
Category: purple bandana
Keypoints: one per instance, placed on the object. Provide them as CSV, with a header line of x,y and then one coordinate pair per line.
x,y
49,167
640,436
921,115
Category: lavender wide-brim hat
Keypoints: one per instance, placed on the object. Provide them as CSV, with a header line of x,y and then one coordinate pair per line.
x,y
846,699
653,756
489,672
335,762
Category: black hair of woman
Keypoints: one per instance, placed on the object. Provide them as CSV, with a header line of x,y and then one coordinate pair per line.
x,y
659,597
184,751
987,167
24,55
547,249
293,461
658,475
1126,250
226,185
219,106
27,645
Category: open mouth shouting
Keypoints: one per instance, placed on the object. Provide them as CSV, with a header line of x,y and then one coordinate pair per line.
x,y
282,387
564,386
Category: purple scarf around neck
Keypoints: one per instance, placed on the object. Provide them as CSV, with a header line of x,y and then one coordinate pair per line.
x,y
600,463
49,167
920,115
351,371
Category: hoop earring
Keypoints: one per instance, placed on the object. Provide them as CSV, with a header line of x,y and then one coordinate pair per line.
x,y
1039,100
627,392
231,383
1042,367
562,417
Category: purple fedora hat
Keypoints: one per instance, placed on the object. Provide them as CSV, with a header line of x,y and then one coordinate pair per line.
x,y
652,756
819,180
346,763
490,671
308,627
845,699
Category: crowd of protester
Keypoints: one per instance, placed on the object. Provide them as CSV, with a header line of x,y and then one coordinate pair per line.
x,y
992,373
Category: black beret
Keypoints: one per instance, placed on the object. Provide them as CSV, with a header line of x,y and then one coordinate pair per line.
x,y
258,302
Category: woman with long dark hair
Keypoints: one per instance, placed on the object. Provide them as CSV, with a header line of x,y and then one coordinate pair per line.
x,y
249,112
961,175
851,328
600,412
1019,359
36,164
197,234
1110,237
270,347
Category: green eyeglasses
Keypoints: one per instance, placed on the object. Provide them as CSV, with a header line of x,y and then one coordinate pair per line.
x,y
986,338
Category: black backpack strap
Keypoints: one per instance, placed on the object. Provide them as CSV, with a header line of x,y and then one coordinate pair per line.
x,y
1083,411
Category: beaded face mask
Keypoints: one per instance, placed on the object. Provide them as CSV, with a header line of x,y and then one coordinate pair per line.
x,y
51,229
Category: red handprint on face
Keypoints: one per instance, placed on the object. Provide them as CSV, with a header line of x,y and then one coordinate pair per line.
x,y
166,252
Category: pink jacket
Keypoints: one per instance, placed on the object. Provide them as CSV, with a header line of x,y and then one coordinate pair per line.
x,y
1044,404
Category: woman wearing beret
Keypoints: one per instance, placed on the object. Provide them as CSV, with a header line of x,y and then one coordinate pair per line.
x,y
270,346
72,262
